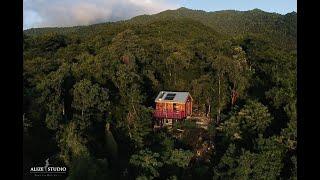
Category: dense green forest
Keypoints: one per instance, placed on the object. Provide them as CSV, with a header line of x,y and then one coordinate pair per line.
x,y
88,96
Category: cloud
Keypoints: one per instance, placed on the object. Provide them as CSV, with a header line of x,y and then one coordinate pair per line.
x,y
53,13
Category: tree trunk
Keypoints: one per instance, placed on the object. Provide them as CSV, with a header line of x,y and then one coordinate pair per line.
x,y
82,114
234,95
219,101
209,110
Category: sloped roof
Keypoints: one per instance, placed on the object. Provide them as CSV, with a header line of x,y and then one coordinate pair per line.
x,y
180,97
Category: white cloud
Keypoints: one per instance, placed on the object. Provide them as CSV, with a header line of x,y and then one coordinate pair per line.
x,y
45,13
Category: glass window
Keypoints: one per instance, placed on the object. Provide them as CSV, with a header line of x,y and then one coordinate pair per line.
x,y
175,107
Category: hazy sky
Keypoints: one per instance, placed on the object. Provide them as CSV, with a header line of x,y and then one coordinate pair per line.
x,y
47,13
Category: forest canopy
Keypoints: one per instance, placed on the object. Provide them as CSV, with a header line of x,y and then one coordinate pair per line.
x,y
88,96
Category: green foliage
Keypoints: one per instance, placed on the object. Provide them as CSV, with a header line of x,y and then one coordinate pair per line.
x,y
228,163
86,168
251,120
147,163
179,158
111,145
71,143
90,102
237,23
141,178
265,163
35,69
201,90
269,161
141,128
240,68
190,124
172,178
53,89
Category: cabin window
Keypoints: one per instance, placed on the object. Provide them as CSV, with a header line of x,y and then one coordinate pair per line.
x,y
175,107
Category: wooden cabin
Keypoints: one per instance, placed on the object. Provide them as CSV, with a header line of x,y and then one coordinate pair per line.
x,y
173,105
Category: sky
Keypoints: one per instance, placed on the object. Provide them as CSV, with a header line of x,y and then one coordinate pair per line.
x,y
61,13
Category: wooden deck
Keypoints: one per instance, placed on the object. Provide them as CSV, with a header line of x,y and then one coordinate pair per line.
x,y
170,114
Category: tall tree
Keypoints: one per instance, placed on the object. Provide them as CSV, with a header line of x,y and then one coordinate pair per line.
x,y
90,103
147,164
54,90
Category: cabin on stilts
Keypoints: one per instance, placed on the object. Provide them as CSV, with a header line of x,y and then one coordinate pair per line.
x,y
171,107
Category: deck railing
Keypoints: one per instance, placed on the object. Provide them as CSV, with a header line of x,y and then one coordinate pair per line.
x,y
169,114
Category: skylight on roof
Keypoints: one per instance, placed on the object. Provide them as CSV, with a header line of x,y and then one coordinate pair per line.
x,y
170,96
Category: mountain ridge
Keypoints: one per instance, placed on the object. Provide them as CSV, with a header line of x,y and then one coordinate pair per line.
x,y
181,8
277,28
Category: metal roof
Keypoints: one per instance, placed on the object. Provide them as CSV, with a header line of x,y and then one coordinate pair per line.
x,y
180,97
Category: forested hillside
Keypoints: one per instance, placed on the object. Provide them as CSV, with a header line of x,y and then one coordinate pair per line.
x,y
273,26
89,93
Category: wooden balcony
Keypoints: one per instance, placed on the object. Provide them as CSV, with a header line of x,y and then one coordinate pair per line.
x,y
169,114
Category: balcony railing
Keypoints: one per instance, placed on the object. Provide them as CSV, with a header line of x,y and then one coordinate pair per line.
x,y
169,114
